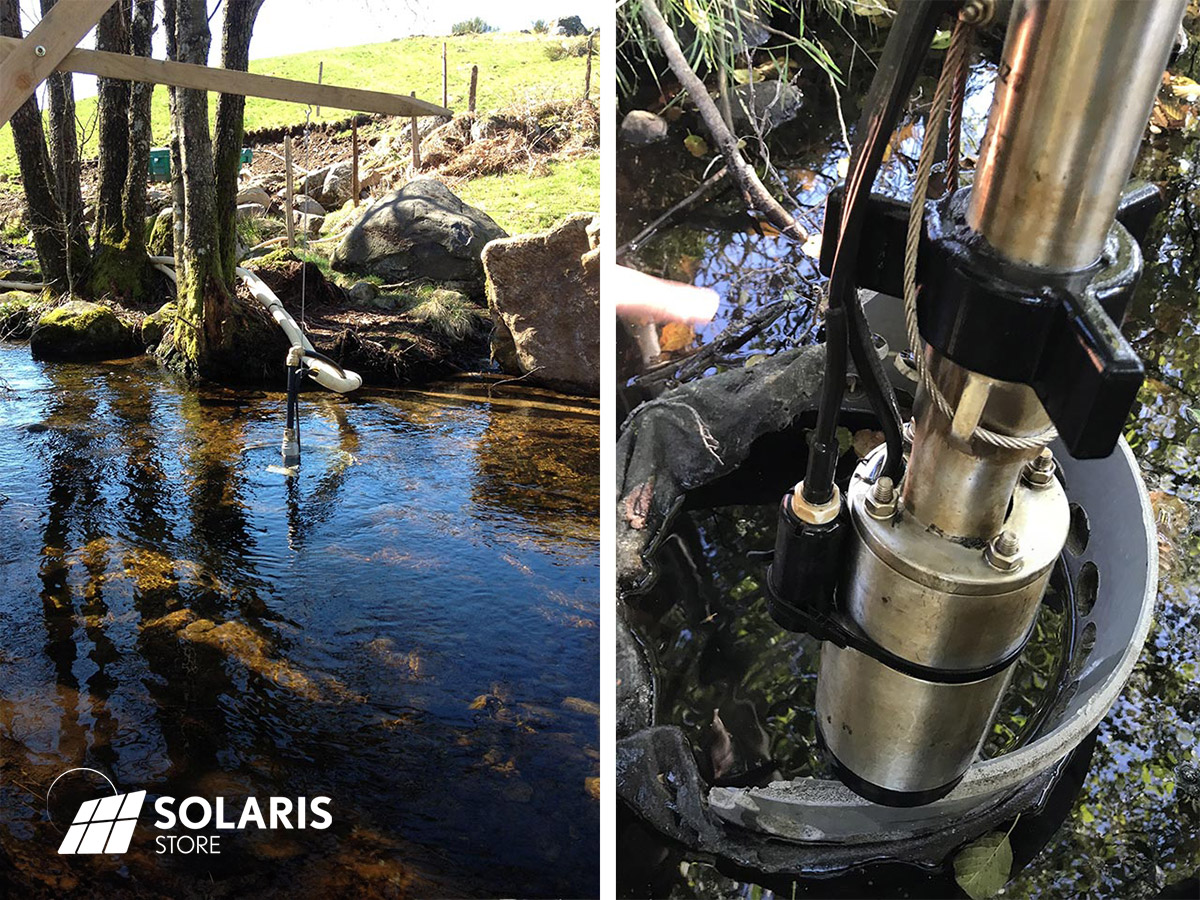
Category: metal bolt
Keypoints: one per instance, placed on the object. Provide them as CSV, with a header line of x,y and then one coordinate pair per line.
x,y
1039,471
1004,552
977,12
881,501
39,50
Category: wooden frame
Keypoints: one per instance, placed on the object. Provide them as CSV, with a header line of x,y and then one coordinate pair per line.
x,y
50,46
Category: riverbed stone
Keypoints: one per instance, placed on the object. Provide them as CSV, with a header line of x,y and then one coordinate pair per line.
x,y
156,324
771,103
338,186
302,203
420,233
546,305
251,211
254,193
363,292
641,127
79,330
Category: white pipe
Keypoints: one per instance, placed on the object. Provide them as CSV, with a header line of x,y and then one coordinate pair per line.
x,y
322,373
27,287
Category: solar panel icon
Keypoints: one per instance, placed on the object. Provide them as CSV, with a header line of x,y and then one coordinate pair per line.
x,y
104,825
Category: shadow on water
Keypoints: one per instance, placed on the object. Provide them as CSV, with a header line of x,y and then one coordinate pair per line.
x,y
1133,831
409,628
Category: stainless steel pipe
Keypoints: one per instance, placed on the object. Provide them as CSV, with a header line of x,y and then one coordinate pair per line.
x,y
1073,95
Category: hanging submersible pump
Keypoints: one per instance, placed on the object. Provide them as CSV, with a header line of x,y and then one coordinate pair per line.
x,y
924,578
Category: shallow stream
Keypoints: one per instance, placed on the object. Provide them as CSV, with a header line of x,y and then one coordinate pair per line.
x,y
410,627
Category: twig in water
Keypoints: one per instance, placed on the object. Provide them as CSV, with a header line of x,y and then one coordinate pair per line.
x,y
642,236
496,384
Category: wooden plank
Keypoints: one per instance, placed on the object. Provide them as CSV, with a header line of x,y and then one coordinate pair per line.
x,y
227,81
474,84
30,61
287,215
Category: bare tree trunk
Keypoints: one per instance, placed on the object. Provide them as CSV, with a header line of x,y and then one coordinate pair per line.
x,y
137,172
227,149
59,256
177,198
64,152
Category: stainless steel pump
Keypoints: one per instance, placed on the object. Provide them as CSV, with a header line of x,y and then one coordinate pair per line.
x,y
945,571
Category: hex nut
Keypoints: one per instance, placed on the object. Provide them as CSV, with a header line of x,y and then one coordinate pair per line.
x,y
1003,553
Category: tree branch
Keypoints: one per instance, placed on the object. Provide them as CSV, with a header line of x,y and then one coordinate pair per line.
x,y
752,188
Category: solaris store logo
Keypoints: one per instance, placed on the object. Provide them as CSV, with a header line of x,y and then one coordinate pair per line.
x,y
105,825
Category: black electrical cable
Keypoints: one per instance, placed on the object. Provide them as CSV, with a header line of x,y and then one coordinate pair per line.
x,y
846,326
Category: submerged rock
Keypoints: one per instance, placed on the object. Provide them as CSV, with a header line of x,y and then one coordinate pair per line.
x,y
422,232
544,291
641,127
771,103
80,330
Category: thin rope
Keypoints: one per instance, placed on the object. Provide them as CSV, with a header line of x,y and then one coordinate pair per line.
x,y
954,59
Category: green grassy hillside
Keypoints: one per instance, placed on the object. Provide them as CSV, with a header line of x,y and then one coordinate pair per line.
x,y
512,67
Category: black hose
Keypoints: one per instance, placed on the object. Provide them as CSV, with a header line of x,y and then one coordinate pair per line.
x,y
910,37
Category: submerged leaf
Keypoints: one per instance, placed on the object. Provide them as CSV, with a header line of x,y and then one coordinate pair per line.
x,y
696,145
982,868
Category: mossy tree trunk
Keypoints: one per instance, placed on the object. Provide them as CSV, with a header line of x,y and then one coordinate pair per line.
x,y
216,336
119,264
231,108
63,254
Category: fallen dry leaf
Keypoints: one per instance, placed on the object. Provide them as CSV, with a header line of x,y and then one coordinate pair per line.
x,y
676,336
637,505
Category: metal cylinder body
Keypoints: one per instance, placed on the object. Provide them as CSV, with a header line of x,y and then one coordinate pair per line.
x,y
961,488
939,584
1073,95
937,603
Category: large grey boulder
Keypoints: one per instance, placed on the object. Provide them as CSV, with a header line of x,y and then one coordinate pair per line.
x,y
544,292
422,232
569,26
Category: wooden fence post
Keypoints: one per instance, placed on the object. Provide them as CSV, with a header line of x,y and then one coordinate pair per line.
x,y
354,186
445,83
321,73
587,78
287,165
416,142
474,82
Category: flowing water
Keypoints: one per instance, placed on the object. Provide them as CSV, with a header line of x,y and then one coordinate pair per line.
x,y
408,627
1134,828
